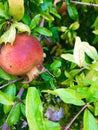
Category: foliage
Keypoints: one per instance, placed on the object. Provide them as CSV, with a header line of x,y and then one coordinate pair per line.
x,y
70,82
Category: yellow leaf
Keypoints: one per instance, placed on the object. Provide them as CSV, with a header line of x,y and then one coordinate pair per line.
x,y
8,36
21,27
90,50
79,55
16,9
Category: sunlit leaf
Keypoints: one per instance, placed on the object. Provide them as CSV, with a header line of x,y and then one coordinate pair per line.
x,y
74,26
34,110
37,1
8,36
68,57
47,16
43,31
4,99
92,75
22,27
62,28
16,9
95,32
67,95
89,122
55,13
96,108
79,55
92,96
94,66
14,115
90,50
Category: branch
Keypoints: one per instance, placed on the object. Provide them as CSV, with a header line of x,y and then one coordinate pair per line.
x,y
83,3
10,82
81,110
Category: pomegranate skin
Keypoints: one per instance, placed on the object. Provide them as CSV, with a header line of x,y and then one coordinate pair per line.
x,y
19,58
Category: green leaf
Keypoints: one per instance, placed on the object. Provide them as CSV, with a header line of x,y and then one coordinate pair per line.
x,y
56,64
67,2
52,125
34,110
8,36
2,11
92,96
35,21
52,11
96,108
22,107
92,75
74,26
4,75
57,72
89,121
67,95
4,99
95,25
14,115
10,92
72,11
22,27
47,16
16,9
94,66
43,31
45,76
37,1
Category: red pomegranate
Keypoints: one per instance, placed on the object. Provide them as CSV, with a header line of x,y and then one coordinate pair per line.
x,y
23,57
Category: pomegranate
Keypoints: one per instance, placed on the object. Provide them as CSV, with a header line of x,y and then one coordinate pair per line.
x,y
23,57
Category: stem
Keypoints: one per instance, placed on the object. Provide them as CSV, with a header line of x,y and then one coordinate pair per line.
x,y
81,110
10,82
83,3
41,25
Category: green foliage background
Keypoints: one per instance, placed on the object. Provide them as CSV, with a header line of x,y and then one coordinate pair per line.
x,y
69,86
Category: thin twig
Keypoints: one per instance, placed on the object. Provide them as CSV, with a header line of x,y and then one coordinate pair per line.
x,y
81,110
46,70
83,3
41,25
10,82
